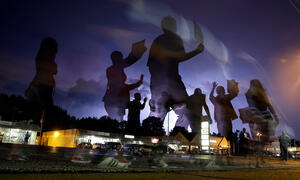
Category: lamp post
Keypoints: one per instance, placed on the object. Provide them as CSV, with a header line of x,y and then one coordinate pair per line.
x,y
258,134
41,132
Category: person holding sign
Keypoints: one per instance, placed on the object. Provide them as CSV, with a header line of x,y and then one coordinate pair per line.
x,y
224,111
166,53
117,95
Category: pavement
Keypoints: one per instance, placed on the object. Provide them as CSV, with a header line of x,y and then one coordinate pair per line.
x,y
254,174
31,162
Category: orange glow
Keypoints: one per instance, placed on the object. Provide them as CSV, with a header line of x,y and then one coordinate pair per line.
x,y
56,134
287,77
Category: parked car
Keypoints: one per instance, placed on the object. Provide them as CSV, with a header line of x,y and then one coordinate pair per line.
x,y
113,146
85,145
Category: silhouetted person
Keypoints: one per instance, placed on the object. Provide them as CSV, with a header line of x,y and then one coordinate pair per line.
x,y
224,112
41,87
117,95
134,111
194,104
166,53
284,140
244,142
26,138
260,106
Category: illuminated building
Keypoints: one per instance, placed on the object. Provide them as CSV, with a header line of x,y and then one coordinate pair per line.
x,y
15,132
72,137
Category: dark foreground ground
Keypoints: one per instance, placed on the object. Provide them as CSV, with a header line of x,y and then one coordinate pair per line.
x,y
55,163
274,174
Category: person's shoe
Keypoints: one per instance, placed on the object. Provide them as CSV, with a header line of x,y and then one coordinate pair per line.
x,y
80,159
111,162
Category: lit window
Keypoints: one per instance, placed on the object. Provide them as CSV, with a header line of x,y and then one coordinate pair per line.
x,y
204,136
204,125
205,142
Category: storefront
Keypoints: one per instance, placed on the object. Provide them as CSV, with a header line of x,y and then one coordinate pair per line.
x,y
72,137
219,145
18,132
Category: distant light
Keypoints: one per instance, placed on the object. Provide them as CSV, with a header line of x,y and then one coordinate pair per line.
x,y
283,60
129,136
154,140
258,134
213,141
56,134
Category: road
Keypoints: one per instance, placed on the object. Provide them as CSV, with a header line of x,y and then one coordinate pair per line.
x,y
46,163
259,174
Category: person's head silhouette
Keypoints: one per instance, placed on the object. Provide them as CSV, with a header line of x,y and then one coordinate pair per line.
x,y
48,48
198,91
137,96
168,24
116,57
220,90
256,85
244,129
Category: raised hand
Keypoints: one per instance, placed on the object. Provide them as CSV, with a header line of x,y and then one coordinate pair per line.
x,y
215,84
142,78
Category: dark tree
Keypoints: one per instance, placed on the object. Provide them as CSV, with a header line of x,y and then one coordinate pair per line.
x,y
178,129
16,108
104,124
153,126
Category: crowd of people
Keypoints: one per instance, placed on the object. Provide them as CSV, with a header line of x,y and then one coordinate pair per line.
x,y
168,91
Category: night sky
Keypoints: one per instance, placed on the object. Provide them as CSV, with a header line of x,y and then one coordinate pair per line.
x,y
244,39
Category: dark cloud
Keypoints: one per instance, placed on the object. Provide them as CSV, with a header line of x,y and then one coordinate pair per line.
x,y
84,98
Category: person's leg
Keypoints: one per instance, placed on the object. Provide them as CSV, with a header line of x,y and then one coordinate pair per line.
x,y
178,92
112,111
285,153
219,127
281,152
157,103
195,122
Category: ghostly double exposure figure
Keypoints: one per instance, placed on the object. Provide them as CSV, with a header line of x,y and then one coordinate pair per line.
x,y
260,113
194,105
117,94
42,86
224,111
166,53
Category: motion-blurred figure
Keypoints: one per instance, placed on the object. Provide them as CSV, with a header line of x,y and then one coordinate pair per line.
x,y
224,112
166,53
258,114
284,140
244,142
116,97
134,111
194,105
26,138
42,86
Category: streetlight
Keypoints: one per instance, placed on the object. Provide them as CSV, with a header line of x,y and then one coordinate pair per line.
x,y
258,134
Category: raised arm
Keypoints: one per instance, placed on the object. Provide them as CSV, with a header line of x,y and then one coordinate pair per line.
x,y
180,55
131,59
189,55
207,111
143,105
231,96
136,53
135,85
211,95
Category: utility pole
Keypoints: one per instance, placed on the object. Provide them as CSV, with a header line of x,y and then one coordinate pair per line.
x,y
41,131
